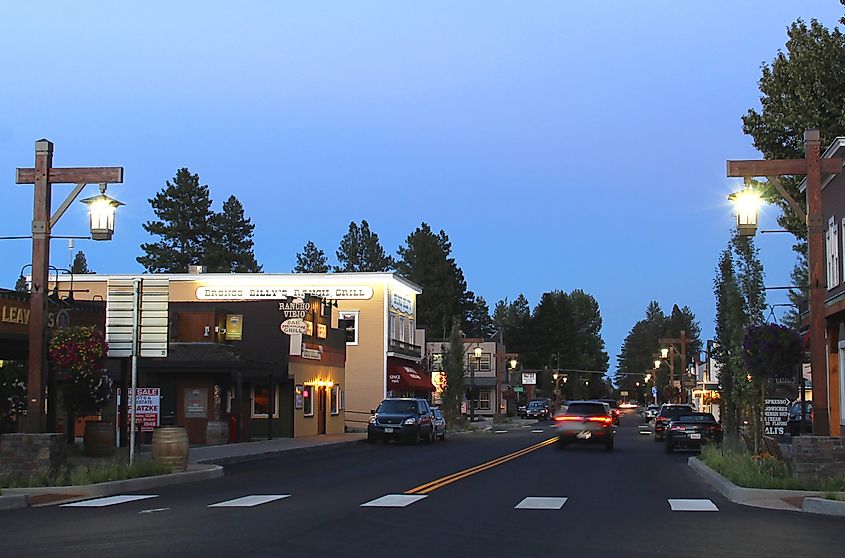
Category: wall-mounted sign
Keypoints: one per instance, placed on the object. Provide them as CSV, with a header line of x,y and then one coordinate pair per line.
x,y
270,292
295,308
298,400
529,378
322,331
309,328
293,326
401,303
196,402
312,354
234,327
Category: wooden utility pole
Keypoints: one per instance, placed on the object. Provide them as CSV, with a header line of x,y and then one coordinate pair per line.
x,y
43,176
813,167
672,341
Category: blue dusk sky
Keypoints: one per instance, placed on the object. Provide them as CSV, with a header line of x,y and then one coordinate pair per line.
x,y
560,144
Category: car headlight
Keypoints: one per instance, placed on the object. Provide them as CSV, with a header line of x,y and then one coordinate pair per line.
x,y
410,420
372,420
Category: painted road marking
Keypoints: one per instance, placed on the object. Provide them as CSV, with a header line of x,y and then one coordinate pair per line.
x,y
449,479
538,503
393,501
108,501
701,504
154,510
500,432
249,501
537,431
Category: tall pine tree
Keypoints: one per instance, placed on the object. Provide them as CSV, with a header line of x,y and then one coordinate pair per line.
x,y
311,260
80,264
360,250
480,324
183,208
425,260
229,244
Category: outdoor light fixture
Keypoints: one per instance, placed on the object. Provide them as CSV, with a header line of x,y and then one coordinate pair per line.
x,y
555,376
478,352
101,209
647,377
664,353
747,201
657,363
513,363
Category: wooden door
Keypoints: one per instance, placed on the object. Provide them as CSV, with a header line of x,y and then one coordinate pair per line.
x,y
321,410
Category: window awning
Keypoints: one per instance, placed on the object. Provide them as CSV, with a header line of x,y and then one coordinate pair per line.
x,y
403,375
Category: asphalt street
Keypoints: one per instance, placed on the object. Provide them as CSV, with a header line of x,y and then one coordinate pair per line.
x,y
472,495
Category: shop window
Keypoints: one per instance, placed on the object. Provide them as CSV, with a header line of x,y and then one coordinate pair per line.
x,y
470,360
335,400
351,319
261,402
308,401
484,400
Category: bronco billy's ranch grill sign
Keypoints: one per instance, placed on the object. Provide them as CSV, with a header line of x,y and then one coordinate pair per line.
x,y
270,292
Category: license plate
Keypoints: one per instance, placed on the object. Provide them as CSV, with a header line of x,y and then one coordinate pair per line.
x,y
585,435
695,436
388,430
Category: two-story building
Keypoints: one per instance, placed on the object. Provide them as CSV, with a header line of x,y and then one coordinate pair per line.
x,y
376,312
833,210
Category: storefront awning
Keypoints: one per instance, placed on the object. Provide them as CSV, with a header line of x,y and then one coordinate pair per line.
x,y
403,375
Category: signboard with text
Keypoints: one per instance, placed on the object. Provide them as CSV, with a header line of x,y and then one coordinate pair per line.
x,y
529,378
775,415
147,408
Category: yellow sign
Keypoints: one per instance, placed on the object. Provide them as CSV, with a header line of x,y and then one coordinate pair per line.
x,y
234,327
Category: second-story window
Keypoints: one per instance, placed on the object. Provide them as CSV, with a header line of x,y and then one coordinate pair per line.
x,y
831,237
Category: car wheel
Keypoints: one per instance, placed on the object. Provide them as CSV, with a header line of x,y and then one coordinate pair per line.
x,y
416,438
371,439
443,436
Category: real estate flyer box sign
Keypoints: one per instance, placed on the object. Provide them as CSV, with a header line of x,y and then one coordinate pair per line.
x,y
147,408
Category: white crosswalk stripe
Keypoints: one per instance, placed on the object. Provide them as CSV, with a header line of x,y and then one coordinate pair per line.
x,y
540,503
537,431
692,504
249,501
394,501
108,501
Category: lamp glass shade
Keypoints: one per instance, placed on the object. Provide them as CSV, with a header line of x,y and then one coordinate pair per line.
x,y
747,203
657,363
664,353
478,352
101,216
513,363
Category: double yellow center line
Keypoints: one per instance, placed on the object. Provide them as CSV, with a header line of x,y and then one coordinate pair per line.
x,y
449,479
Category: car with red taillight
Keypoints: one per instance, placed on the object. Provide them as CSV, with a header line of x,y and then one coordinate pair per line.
x,y
692,431
589,422
668,412
614,409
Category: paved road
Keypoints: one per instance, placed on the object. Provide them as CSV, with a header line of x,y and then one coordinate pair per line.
x,y
311,505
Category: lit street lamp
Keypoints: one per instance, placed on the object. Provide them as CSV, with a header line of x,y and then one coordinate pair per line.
x,y
478,351
101,210
747,202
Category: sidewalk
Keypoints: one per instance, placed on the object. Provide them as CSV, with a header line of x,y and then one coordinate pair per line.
x,y
204,463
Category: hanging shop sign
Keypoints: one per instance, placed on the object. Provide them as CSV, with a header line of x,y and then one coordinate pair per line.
x,y
270,292
296,308
293,326
529,378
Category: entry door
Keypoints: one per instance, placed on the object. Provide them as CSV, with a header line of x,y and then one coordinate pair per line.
x,y
321,410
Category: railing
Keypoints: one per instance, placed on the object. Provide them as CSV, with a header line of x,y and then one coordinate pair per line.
x,y
359,424
403,348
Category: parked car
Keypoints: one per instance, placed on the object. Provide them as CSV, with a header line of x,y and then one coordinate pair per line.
x,y
585,422
692,431
793,423
668,412
539,409
401,418
614,409
651,411
439,423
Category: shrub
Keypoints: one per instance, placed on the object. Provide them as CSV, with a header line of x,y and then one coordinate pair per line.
x,y
86,474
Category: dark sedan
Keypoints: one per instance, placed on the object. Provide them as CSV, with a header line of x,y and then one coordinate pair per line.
x,y
692,431
585,422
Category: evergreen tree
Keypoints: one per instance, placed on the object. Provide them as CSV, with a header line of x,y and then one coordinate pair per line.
x,y
425,260
183,209
311,260
80,264
20,285
453,366
636,357
229,244
360,250
480,324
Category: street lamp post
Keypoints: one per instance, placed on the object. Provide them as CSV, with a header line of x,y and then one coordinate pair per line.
x,y
668,350
43,176
813,166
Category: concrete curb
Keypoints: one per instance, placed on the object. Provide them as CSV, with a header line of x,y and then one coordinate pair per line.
x,y
824,506
195,472
269,454
756,497
13,501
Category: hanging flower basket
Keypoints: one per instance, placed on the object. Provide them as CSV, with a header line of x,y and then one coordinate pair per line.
x,y
80,352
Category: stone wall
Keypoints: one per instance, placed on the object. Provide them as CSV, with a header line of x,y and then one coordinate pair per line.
x,y
25,454
816,457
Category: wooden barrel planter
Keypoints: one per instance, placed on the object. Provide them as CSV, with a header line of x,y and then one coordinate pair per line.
x,y
217,432
170,446
98,438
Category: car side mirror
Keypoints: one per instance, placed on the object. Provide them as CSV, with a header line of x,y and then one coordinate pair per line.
x,y
372,411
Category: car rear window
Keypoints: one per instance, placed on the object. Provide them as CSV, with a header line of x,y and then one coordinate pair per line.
x,y
613,404
675,411
586,409
697,417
